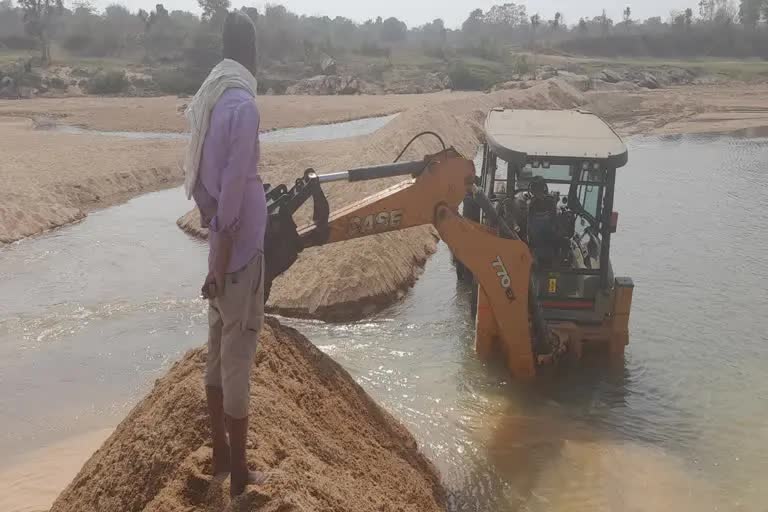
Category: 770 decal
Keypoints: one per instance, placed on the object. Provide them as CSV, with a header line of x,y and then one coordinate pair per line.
x,y
504,279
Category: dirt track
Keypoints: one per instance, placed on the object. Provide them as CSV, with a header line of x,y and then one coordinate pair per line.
x,y
327,445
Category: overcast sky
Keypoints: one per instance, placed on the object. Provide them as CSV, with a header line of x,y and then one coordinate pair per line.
x,y
454,12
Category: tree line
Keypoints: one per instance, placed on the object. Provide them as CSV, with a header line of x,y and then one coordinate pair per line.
x,y
711,27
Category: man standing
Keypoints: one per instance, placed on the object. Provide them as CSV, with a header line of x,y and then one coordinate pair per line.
x,y
222,176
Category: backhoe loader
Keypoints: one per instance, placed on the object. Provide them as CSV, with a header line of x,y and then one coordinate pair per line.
x,y
533,238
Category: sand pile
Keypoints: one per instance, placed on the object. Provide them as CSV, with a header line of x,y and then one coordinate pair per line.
x,y
349,280
327,444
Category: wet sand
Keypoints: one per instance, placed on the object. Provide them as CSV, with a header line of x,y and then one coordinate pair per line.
x,y
32,482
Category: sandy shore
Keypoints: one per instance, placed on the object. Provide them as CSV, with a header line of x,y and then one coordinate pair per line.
x,y
713,108
32,483
164,114
52,179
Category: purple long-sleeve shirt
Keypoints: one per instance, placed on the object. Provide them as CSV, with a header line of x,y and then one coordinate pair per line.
x,y
229,191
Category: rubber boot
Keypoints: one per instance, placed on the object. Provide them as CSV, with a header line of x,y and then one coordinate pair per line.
x,y
240,475
221,451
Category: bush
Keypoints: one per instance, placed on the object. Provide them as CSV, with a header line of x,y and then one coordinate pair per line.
x,y
472,78
204,52
178,81
434,51
18,43
485,49
108,82
521,66
57,83
370,49
376,71
278,86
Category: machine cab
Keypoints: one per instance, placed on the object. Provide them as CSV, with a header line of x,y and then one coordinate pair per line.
x,y
551,176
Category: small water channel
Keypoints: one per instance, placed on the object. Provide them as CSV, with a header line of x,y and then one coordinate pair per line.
x,y
103,307
307,133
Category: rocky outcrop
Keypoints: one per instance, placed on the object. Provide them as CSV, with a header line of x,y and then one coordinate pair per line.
x,y
429,82
649,81
327,85
8,89
328,65
581,82
610,76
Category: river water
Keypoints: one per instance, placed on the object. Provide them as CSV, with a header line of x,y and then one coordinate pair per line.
x,y
99,309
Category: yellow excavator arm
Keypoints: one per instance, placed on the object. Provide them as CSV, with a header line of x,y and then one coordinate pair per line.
x,y
500,262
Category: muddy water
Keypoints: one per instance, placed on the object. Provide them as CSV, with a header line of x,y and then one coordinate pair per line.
x,y
100,309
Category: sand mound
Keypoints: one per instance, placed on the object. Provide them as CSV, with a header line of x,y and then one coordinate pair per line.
x,y
327,444
50,179
349,280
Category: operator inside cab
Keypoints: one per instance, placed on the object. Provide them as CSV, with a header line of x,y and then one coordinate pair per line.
x,y
541,225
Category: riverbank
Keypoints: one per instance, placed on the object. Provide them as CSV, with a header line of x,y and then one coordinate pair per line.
x,y
32,482
54,178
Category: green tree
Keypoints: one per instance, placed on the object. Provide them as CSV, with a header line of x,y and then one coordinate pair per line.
x,y
121,26
557,21
251,12
39,17
213,8
583,27
605,22
435,33
725,13
653,22
393,30
509,14
627,17
474,23
535,22
688,17
707,9
749,12
161,34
